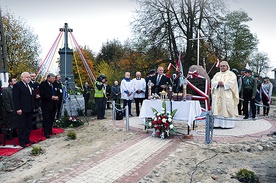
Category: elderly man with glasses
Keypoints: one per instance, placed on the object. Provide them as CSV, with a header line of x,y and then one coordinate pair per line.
x,y
225,97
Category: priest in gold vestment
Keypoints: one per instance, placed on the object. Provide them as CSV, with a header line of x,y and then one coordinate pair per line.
x,y
225,97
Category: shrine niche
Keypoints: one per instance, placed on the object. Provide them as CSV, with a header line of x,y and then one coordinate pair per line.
x,y
198,85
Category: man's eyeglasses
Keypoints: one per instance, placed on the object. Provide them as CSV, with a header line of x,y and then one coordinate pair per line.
x,y
223,66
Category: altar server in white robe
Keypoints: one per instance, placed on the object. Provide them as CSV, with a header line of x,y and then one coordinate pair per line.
x,y
127,92
139,85
225,97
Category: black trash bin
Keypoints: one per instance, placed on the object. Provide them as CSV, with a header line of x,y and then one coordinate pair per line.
x,y
119,112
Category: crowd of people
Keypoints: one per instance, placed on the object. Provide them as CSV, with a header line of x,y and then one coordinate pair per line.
x,y
22,99
233,93
129,90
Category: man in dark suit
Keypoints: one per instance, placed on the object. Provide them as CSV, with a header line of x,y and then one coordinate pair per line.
x,y
49,98
35,87
59,90
23,100
9,114
160,81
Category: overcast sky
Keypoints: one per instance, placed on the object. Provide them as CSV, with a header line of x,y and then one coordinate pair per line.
x,y
96,21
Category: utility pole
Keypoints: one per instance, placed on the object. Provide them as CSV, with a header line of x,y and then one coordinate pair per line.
x,y
4,77
198,38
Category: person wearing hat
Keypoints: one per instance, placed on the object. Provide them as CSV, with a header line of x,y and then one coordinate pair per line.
x,y
225,97
249,89
265,95
100,96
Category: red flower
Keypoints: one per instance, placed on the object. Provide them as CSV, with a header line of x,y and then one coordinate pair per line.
x,y
157,127
159,121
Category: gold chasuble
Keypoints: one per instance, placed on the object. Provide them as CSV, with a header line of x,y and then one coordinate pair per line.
x,y
225,99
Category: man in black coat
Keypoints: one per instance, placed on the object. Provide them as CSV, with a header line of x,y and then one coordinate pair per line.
x,y
35,87
59,91
49,98
9,113
160,81
23,100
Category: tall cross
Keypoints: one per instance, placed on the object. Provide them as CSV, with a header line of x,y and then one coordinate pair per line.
x,y
198,38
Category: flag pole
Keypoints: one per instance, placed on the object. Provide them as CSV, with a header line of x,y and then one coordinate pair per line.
x,y
211,68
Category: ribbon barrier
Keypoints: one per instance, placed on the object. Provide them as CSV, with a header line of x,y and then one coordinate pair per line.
x,y
202,95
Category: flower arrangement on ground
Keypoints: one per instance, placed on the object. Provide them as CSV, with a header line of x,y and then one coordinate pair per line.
x,y
161,122
68,122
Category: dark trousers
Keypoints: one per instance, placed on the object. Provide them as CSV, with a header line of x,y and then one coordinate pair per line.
x,y
100,103
48,120
266,105
86,102
137,102
108,102
127,102
247,96
59,104
240,110
257,100
117,100
24,122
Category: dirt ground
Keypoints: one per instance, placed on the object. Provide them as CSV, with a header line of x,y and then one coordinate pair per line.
x,y
191,162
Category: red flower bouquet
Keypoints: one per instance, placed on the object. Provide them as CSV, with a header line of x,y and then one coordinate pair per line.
x,y
161,122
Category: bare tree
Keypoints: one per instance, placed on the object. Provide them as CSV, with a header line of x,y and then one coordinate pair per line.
x,y
172,23
260,63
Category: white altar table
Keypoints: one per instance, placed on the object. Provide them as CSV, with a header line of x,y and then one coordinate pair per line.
x,y
186,110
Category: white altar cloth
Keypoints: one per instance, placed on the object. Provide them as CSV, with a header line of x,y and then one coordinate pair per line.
x,y
186,110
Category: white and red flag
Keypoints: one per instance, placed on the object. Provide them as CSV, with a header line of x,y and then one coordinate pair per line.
x,y
170,66
217,63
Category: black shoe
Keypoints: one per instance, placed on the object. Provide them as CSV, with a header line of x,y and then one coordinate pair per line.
x,y
30,142
48,136
245,117
130,115
23,145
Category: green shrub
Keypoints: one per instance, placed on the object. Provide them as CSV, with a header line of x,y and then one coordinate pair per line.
x,y
71,135
247,176
37,150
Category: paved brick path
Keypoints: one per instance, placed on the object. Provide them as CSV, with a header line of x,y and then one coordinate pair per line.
x,y
133,159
